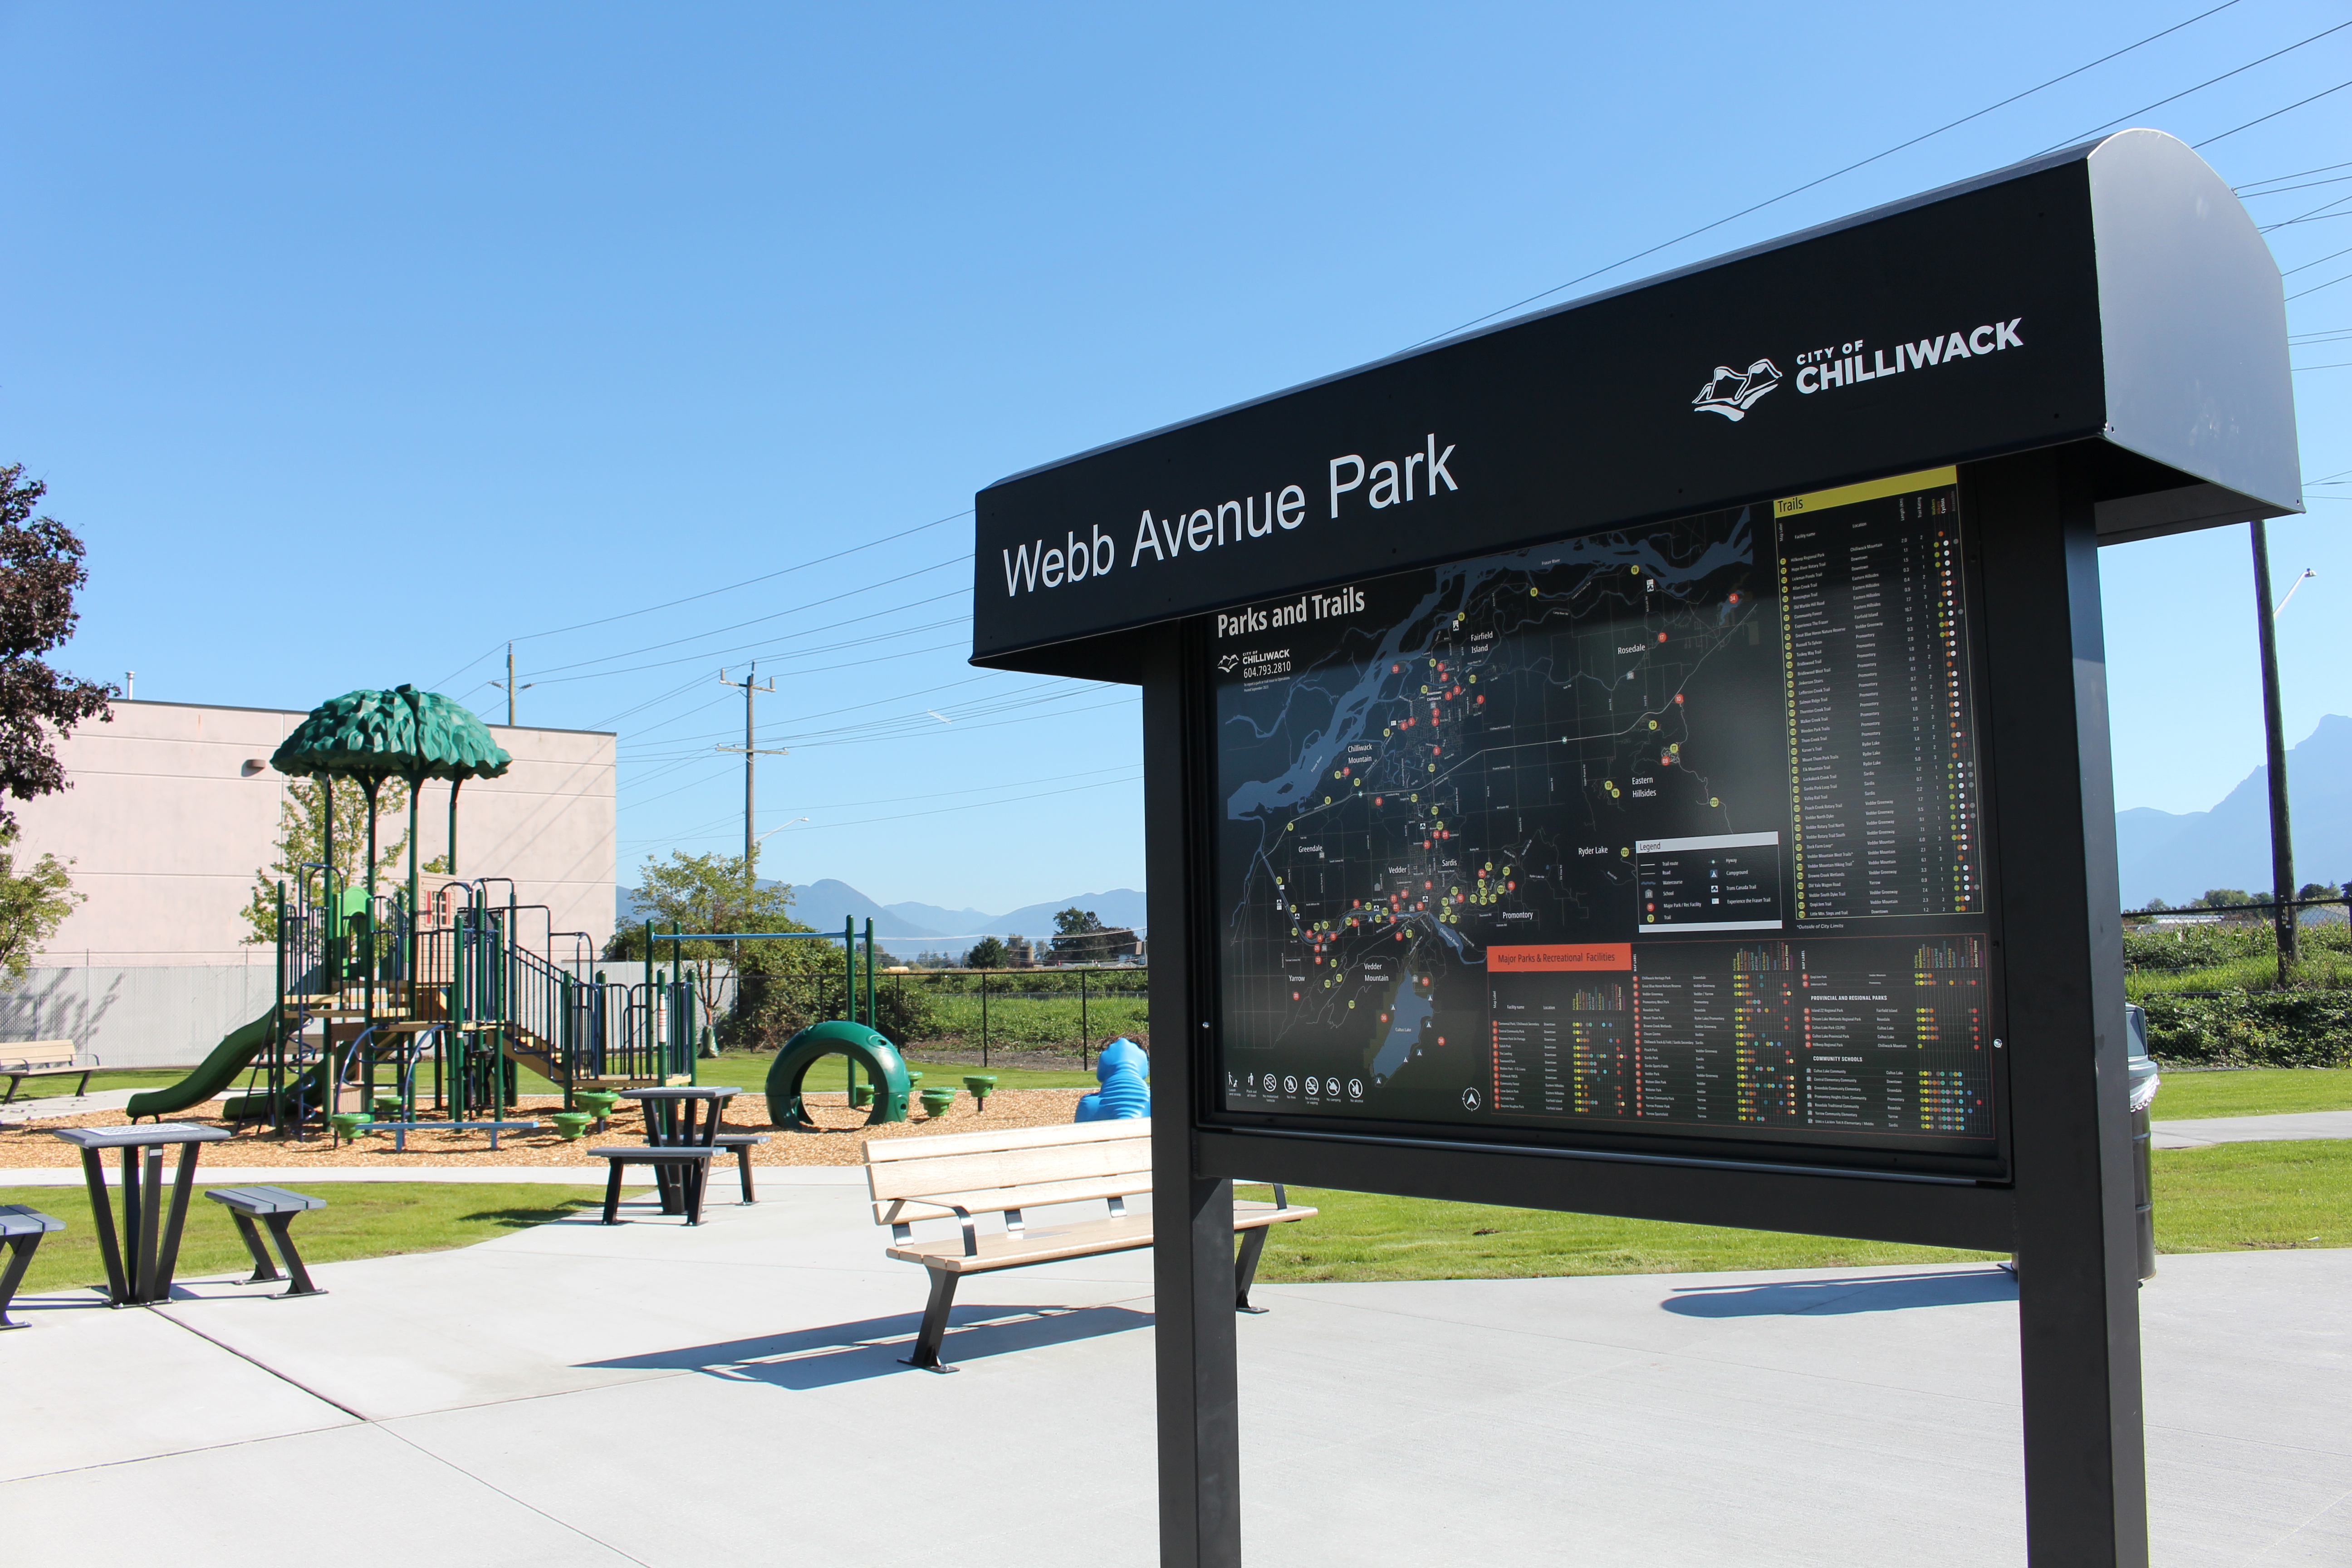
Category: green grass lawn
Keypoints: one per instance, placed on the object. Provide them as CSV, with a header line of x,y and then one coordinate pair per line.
x,y
362,1219
2233,1195
2230,1197
2252,1091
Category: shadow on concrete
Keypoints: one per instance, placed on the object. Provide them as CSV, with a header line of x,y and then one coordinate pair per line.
x,y
850,1353
1880,1293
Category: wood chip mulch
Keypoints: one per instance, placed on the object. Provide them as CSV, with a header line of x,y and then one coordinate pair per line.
x,y
841,1141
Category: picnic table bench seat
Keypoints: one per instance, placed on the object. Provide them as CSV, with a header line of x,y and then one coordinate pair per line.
x,y
21,1059
277,1208
21,1228
697,1158
961,1176
742,1143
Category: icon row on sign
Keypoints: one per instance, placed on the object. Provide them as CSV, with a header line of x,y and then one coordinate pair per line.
x,y
1281,1084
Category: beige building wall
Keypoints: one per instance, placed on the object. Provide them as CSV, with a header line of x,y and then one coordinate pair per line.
x,y
174,808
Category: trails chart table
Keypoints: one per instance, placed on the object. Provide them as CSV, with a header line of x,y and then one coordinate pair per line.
x,y
1672,831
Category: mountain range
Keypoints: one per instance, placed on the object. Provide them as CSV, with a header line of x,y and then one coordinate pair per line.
x,y
909,927
2174,855
2177,856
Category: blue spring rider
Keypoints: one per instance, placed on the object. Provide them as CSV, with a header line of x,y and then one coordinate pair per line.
x,y
1124,1093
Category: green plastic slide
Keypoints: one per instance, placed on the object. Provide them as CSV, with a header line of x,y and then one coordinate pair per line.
x,y
216,1072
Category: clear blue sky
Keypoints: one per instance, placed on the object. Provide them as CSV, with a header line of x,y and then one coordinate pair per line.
x,y
355,342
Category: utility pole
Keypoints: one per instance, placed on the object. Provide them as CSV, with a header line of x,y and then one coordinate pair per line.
x,y
2283,913
751,752
511,687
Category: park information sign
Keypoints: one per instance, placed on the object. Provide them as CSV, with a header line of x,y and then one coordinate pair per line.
x,y
1655,834
1650,758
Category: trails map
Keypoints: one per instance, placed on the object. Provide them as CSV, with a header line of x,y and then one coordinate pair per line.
x,y
1670,830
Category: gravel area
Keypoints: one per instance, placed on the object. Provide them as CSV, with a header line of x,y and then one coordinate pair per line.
x,y
842,1141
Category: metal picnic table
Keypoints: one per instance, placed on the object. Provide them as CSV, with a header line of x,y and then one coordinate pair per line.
x,y
151,1240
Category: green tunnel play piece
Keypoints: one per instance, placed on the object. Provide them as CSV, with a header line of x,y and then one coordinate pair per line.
x,y
866,1048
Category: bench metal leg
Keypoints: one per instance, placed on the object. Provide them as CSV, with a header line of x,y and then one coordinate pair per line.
x,y
265,1272
613,1193
1246,1268
20,1257
935,1324
282,1231
743,1171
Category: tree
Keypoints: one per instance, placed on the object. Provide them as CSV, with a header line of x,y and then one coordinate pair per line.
x,y
1074,921
32,907
40,571
927,960
715,893
301,846
2320,890
2221,897
986,953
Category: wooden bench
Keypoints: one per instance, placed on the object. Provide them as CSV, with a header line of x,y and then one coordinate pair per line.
x,y
961,1175
21,1059
22,1228
741,1143
274,1208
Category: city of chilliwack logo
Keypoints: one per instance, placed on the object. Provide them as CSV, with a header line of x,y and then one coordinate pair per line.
x,y
1732,392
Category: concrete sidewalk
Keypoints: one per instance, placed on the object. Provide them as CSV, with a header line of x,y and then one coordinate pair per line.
x,y
2205,1131
657,1395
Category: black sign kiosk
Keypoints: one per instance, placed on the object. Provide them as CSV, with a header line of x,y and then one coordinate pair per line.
x,y
1650,758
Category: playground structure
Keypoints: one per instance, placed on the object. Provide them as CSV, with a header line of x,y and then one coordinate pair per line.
x,y
385,1004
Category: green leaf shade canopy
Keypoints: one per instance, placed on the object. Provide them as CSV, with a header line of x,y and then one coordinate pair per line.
x,y
405,733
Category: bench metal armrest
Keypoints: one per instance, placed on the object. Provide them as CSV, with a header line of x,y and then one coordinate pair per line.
x,y
971,1233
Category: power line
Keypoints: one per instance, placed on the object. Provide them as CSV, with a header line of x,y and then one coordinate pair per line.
x,y
2201,87
710,593
2315,289
2306,216
2330,256
2247,196
755,620
2274,113
2298,174
764,646
942,811
1824,179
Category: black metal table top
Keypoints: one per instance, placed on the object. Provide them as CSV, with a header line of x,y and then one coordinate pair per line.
x,y
139,1137
682,1091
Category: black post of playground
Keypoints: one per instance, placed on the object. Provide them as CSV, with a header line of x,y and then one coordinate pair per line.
x,y
1702,765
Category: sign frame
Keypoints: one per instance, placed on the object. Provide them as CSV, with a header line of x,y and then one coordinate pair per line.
x,y
2150,395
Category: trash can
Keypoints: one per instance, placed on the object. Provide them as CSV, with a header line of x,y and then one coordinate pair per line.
x,y
2144,1082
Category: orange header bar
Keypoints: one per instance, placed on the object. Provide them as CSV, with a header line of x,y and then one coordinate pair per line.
x,y
1585,956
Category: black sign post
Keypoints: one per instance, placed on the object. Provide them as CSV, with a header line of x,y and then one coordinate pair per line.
x,y
1650,759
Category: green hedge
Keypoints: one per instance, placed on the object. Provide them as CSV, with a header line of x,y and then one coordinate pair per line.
x,y
2252,1028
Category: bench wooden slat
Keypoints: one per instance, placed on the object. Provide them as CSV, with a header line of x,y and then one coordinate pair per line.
x,y
889,1151
996,1200
983,1170
1053,1243
30,1055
